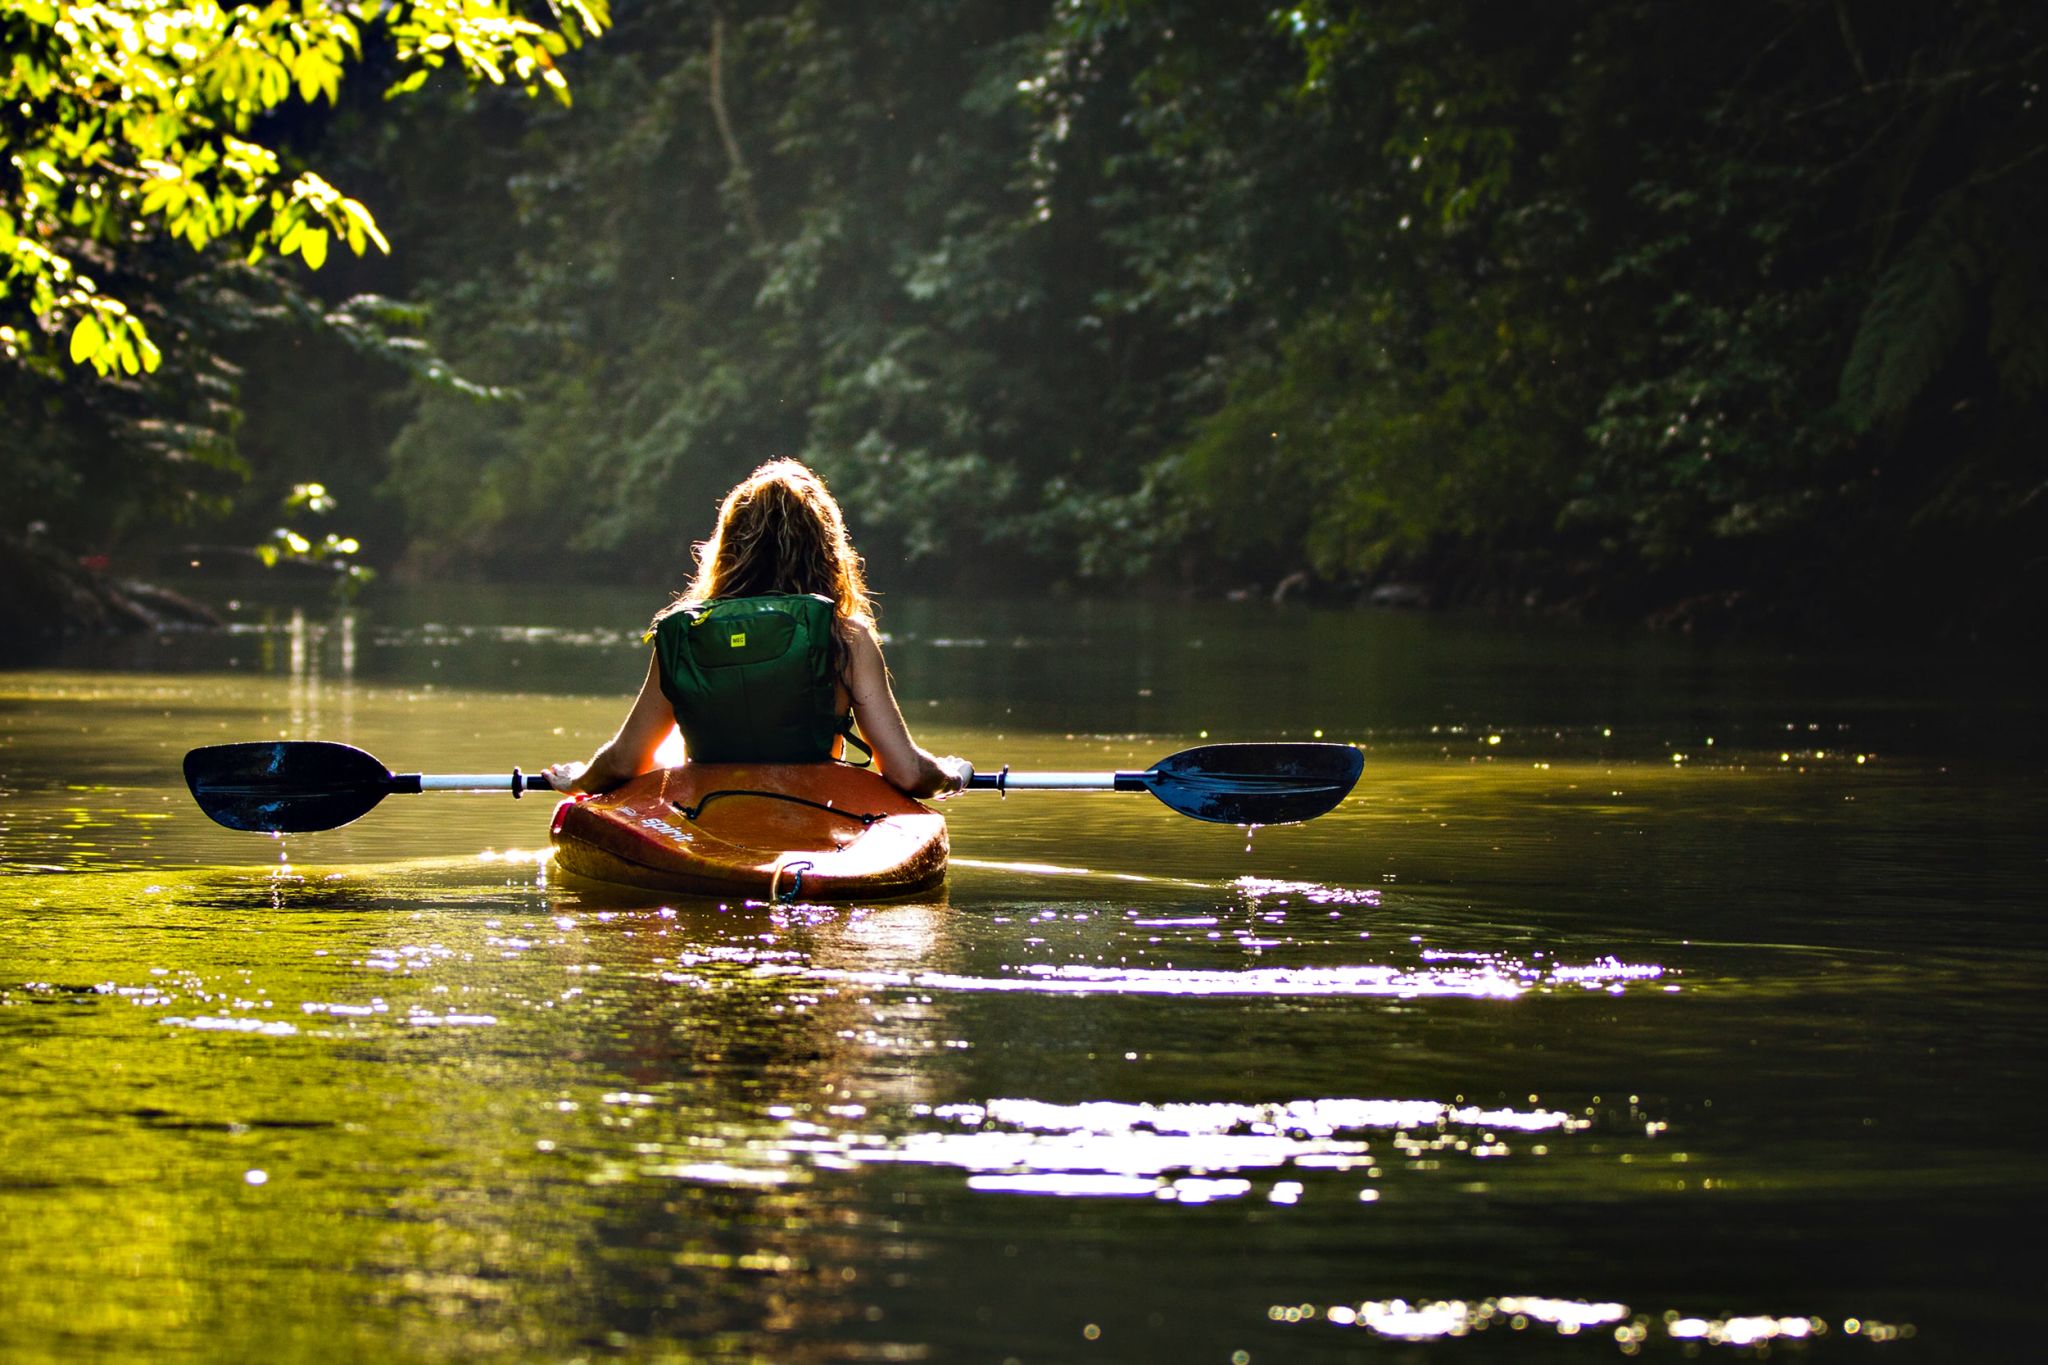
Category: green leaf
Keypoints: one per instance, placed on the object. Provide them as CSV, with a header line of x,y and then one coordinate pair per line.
x,y
86,339
313,247
1913,322
361,217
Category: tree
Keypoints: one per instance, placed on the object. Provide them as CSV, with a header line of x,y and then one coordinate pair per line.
x,y
148,191
1610,301
129,120
790,229
1615,299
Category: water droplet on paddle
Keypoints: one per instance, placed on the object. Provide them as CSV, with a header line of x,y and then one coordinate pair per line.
x,y
1249,831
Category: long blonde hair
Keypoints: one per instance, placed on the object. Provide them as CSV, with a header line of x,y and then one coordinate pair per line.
x,y
780,531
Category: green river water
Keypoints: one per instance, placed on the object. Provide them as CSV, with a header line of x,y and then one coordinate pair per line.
x,y
1647,999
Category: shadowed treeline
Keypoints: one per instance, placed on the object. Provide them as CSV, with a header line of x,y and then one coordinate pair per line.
x,y
1635,309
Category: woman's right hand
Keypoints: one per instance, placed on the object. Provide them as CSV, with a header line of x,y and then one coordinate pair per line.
x,y
958,773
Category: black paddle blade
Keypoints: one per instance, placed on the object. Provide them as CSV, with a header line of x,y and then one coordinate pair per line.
x,y
1256,784
286,787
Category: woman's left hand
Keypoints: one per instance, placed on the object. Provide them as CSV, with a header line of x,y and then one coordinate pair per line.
x,y
564,777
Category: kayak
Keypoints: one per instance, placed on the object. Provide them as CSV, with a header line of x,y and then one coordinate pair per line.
x,y
789,831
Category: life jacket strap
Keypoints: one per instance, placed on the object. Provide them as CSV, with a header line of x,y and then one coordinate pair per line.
x,y
867,755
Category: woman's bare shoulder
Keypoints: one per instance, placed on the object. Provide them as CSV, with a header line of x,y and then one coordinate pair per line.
x,y
857,630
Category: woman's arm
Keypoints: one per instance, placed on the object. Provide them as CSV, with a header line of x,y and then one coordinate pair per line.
x,y
897,756
628,753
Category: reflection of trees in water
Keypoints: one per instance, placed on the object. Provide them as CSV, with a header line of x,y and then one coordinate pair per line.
x,y
671,1196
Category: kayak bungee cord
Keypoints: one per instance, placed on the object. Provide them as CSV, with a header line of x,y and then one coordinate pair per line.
x,y
795,867
691,813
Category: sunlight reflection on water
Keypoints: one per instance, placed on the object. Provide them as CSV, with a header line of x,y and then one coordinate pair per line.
x,y
1425,1320
1170,1152
1501,978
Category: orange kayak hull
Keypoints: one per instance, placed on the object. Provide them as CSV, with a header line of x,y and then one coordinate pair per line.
x,y
803,831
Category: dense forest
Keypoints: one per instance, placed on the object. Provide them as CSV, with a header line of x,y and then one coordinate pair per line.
x,y
1670,312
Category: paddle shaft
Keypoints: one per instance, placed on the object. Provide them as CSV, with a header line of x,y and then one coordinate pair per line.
x,y
1134,780
412,783
1059,781
518,783
409,783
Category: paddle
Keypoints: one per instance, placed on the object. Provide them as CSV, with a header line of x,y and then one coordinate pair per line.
x,y
297,786
1231,784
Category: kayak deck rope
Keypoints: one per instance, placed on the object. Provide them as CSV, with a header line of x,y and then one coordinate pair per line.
x,y
796,881
691,813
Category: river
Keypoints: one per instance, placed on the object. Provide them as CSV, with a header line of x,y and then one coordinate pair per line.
x,y
1648,998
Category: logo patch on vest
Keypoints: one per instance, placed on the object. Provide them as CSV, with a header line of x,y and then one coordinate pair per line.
x,y
738,639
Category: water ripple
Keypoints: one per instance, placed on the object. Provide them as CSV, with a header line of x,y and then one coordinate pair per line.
x,y
1461,975
1437,1319
1181,1152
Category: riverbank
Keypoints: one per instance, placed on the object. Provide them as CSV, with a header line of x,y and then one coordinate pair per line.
x,y
56,596
1926,599
52,595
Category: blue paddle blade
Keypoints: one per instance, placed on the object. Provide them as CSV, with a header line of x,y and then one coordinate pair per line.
x,y
285,787
1255,784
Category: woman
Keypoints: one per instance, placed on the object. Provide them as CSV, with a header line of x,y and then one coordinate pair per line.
x,y
771,655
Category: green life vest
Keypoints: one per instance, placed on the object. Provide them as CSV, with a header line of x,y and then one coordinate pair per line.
x,y
750,679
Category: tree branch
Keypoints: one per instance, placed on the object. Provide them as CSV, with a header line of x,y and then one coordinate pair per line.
x,y
742,178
